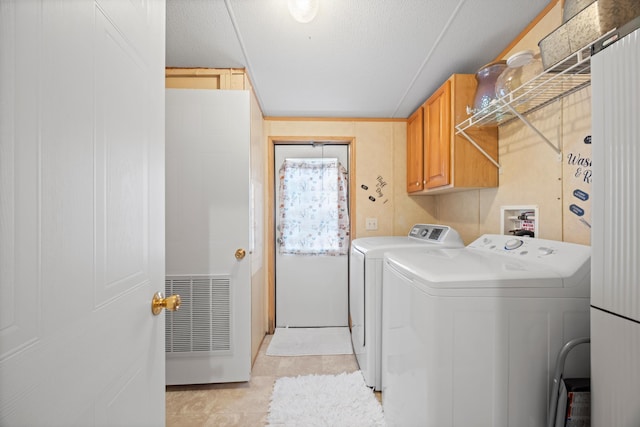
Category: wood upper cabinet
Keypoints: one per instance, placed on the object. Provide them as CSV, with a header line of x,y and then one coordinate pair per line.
x,y
415,170
445,161
437,118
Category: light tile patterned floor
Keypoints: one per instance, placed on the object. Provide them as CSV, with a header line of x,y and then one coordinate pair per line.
x,y
246,404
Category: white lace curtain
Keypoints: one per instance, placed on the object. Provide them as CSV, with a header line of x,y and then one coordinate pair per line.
x,y
313,207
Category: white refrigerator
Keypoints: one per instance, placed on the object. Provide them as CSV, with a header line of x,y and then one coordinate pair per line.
x,y
615,269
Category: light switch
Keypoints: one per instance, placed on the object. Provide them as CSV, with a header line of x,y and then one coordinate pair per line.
x,y
371,223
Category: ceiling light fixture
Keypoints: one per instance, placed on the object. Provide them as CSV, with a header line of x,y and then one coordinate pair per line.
x,y
303,11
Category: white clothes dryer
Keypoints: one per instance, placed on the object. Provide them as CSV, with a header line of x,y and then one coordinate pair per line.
x,y
471,336
365,288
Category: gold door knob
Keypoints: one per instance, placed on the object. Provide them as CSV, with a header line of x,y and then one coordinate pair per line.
x,y
159,302
240,253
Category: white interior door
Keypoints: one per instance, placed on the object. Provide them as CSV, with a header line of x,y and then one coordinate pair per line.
x,y
311,290
208,195
81,212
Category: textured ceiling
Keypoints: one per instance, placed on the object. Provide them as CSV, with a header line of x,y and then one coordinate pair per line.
x,y
357,58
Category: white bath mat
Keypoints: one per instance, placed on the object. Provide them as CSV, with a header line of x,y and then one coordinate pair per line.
x,y
324,401
310,342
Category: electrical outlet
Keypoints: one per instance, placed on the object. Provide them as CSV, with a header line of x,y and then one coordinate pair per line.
x,y
371,223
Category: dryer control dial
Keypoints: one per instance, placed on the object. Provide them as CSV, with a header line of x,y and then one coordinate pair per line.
x,y
512,244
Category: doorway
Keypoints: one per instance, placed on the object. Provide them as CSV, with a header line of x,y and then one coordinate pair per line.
x,y
307,288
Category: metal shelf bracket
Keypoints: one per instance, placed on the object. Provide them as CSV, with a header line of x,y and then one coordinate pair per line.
x,y
482,151
535,129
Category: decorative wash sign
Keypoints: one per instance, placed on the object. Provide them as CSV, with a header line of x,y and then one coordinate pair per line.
x,y
578,176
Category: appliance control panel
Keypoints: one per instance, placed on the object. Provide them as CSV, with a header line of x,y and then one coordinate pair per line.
x,y
433,233
526,248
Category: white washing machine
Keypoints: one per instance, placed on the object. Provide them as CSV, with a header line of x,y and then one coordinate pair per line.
x,y
365,288
470,336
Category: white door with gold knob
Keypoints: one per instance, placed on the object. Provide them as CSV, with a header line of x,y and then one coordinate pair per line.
x,y
81,213
311,289
208,249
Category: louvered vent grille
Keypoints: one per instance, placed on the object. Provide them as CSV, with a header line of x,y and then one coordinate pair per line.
x,y
203,322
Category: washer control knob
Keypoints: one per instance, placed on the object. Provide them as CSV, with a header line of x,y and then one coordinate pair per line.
x,y
543,251
512,244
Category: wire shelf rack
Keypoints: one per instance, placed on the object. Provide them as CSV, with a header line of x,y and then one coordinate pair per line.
x,y
564,78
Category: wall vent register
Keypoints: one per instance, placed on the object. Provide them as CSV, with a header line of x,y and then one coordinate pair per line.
x,y
203,322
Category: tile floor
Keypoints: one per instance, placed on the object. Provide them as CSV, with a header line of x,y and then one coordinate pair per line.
x,y
246,404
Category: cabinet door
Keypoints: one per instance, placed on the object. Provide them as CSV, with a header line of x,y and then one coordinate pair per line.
x,y
415,167
437,137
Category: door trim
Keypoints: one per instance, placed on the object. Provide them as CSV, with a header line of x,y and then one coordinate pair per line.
x,y
270,205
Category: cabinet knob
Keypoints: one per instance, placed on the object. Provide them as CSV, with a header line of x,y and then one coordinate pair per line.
x,y
417,183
